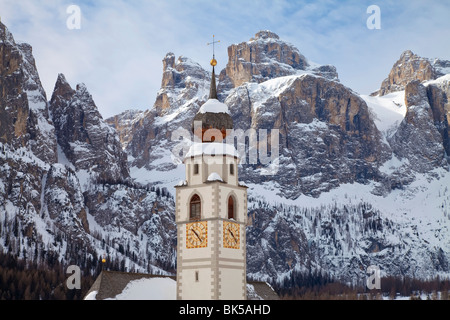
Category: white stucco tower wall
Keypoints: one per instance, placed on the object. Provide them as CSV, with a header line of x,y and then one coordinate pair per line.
x,y
211,211
215,268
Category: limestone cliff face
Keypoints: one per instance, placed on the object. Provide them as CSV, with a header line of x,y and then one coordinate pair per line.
x,y
412,67
423,136
24,118
125,124
27,141
86,140
438,96
64,201
418,139
327,136
37,188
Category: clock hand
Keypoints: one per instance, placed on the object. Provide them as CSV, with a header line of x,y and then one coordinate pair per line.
x,y
233,235
198,237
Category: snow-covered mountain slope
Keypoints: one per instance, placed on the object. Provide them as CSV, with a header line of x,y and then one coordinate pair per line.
x,y
388,111
344,231
65,191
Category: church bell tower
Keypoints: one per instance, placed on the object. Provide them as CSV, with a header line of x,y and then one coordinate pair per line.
x,y
211,211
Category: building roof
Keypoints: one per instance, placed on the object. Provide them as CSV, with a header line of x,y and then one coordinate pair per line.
x,y
111,284
258,290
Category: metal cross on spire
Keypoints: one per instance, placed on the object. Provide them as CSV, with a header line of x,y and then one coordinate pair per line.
x,y
213,61
213,89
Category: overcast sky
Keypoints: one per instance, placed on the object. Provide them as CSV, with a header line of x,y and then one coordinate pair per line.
x,y
118,50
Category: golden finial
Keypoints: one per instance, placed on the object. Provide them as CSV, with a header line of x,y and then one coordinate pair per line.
x,y
213,61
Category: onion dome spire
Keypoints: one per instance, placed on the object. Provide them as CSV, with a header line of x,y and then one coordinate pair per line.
x,y
213,114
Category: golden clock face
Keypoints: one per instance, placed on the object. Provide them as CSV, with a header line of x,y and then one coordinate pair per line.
x,y
231,235
197,234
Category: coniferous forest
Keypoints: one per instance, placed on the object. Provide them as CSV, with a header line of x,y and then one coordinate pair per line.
x,y
320,287
28,280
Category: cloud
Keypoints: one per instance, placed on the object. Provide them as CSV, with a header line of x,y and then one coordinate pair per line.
x,y
117,52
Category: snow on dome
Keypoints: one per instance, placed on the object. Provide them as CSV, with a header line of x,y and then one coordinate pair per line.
x,y
214,177
214,106
212,148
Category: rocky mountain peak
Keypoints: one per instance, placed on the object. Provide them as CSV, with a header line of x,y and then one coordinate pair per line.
x,y
5,35
182,79
179,73
85,138
82,89
259,59
168,61
24,118
266,57
266,34
406,55
424,133
61,81
62,90
411,67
